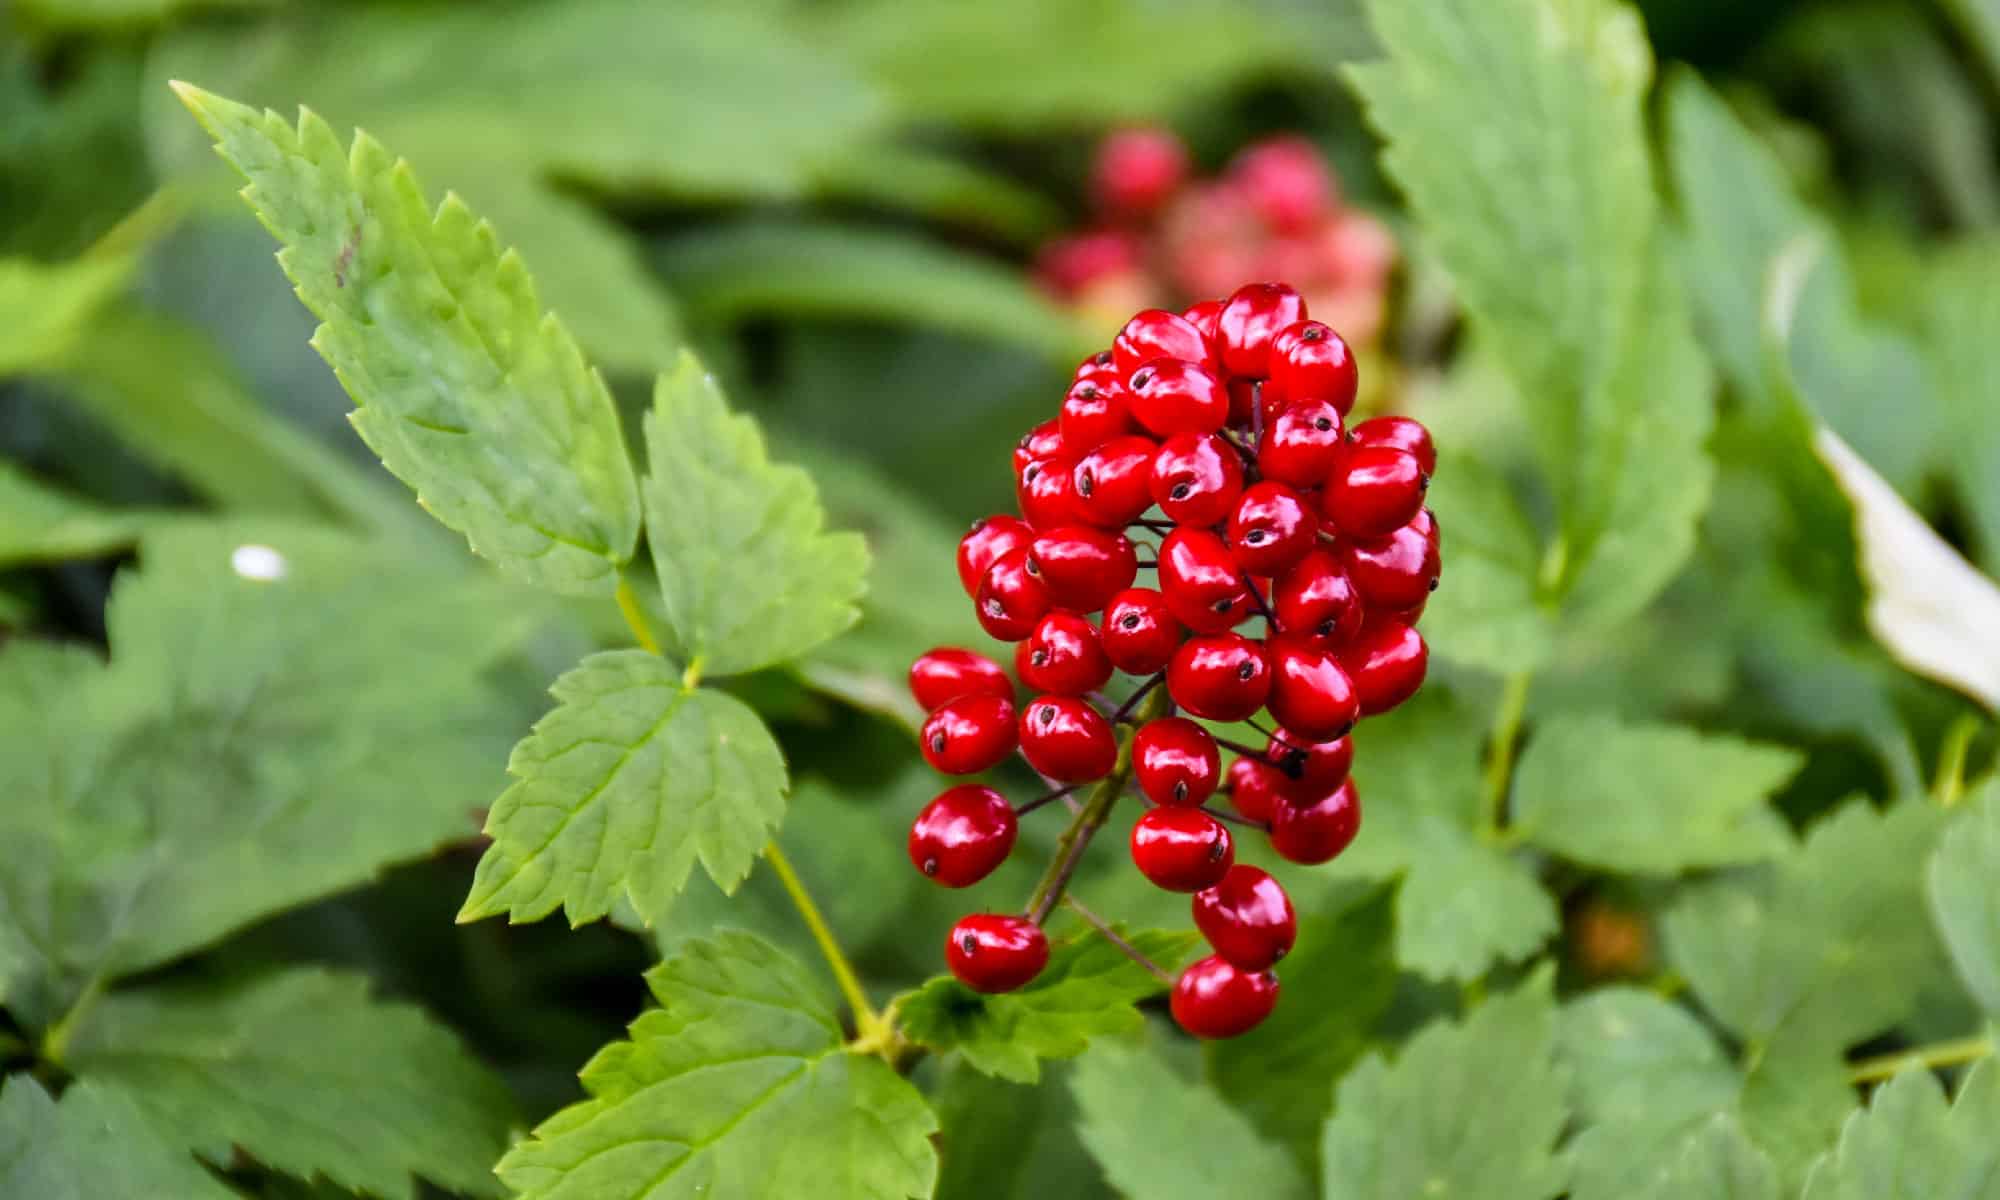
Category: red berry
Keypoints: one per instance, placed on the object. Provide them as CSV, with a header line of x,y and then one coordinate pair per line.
x,y
1012,597
1202,316
961,836
1316,830
1046,492
1169,396
1196,478
1215,999
1375,490
1140,632
1181,849
1271,528
1248,322
1301,445
1400,432
1315,599
989,952
1083,567
1310,693
1309,362
1221,677
1043,441
1113,482
1153,334
1387,663
1247,918
1203,585
1307,768
1068,265
1397,572
1175,762
1097,366
1067,740
1286,183
1253,788
1063,656
946,673
1245,397
969,734
1093,412
989,538
1137,171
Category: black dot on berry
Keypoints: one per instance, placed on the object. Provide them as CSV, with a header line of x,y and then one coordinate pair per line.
x,y
1029,475
1040,658
1423,483
1313,333
1282,951
1180,790
1322,424
994,608
1033,568
1180,491
1129,621
1045,714
1247,671
1216,850
937,743
1142,379
1434,583
1223,606
1353,436
968,943
930,866
1327,627
1102,358
1086,483
1255,537
1087,392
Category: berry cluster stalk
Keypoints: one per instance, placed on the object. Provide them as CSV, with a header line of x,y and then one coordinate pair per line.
x,y
1096,809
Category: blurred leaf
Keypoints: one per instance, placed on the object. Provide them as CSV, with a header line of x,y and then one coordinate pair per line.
x,y
1649,799
1981,22
1964,901
1716,1162
270,1065
1344,969
738,1085
761,267
930,183
1185,1143
1909,1145
471,394
1795,1096
71,162
1467,1109
1487,611
113,16
92,1145
43,307
40,523
620,788
1088,990
1002,1141
748,572
1961,309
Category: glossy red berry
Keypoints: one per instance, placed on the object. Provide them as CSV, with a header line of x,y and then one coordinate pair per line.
x,y
1220,677
1202,315
991,952
1093,412
1046,492
1248,322
1113,483
1387,663
1083,567
1253,789
948,672
1181,849
1196,478
960,837
1308,769
1153,334
1285,182
1400,432
1140,633
1315,830
1301,445
1247,917
1375,490
1063,656
1271,528
1175,762
1170,396
1316,599
1310,692
1216,999
1043,441
969,735
1204,587
1315,365
989,538
1067,740
1137,171
1012,597
1397,572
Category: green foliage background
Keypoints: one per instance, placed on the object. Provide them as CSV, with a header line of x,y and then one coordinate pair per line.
x,y
1666,859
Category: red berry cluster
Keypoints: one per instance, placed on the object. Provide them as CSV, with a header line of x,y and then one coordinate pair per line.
x,y
1219,432
1162,236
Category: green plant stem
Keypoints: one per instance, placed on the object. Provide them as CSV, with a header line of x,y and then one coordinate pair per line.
x,y
871,1033
1111,935
1076,838
55,1042
1937,1054
1949,786
1500,755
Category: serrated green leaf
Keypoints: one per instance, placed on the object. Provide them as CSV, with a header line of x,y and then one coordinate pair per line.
x,y
736,1088
92,1145
304,1072
42,523
1158,1135
1909,1145
1962,290
1487,611
1277,1074
1468,1109
1649,798
619,789
1829,940
1964,901
43,307
1795,1095
1088,990
1001,1141
469,392
1716,1162
749,575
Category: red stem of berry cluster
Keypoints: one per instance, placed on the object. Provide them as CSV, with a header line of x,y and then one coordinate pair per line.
x,y
1076,838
